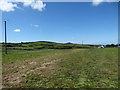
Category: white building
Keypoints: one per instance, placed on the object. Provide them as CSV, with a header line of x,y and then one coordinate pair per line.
x,y
101,46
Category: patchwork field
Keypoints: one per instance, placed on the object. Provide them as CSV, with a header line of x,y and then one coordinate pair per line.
x,y
61,68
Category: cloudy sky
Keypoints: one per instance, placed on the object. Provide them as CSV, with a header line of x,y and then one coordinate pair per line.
x,y
32,20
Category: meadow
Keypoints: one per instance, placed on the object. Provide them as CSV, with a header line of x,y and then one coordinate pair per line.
x,y
61,68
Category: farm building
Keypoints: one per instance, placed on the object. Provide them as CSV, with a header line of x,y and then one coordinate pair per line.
x,y
102,46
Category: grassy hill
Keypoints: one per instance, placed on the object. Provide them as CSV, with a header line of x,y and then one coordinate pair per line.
x,y
44,45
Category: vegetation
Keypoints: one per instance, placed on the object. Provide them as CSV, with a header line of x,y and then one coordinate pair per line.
x,y
112,45
44,45
61,68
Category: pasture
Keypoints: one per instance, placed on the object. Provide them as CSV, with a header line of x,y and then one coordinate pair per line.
x,y
61,68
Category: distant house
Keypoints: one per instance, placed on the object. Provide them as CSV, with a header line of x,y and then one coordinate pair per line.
x,y
118,45
102,46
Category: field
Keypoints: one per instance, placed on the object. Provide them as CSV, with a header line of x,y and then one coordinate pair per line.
x,y
61,68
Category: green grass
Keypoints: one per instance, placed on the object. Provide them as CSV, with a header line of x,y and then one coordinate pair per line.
x,y
73,68
21,55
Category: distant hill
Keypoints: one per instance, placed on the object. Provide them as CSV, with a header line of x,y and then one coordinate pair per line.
x,y
45,45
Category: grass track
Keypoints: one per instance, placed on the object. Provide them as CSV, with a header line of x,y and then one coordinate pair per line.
x,y
75,68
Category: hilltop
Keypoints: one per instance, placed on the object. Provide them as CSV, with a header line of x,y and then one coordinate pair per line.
x,y
45,45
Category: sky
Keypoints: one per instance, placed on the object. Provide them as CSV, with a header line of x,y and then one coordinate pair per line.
x,y
62,22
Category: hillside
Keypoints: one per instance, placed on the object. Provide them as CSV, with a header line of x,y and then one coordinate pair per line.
x,y
44,45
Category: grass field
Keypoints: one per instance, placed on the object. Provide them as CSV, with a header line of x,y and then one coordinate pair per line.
x,y
66,68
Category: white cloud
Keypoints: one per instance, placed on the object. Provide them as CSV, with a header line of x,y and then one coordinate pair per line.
x,y
34,25
11,5
7,6
38,5
17,30
97,2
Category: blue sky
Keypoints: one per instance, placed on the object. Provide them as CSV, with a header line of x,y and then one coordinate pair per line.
x,y
64,22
